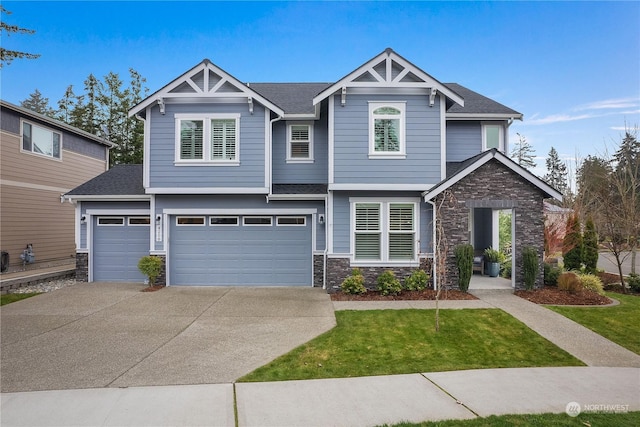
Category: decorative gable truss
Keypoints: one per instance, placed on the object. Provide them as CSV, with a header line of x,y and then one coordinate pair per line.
x,y
205,80
390,70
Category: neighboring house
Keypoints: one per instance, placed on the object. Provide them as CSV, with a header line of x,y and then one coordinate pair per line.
x,y
40,160
297,183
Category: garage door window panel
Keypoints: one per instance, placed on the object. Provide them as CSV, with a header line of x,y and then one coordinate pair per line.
x,y
110,221
291,221
190,221
139,221
257,221
224,221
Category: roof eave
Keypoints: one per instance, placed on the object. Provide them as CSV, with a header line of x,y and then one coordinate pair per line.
x,y
484,116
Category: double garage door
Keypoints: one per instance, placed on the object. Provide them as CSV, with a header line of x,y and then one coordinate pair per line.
x,y
240,250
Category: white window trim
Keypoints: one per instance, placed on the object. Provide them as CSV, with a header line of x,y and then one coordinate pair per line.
x,y
206,137
244,221
32,124
304,221
121,218
500,135
384,231
138,225
204,222
290,159
402,153
211,218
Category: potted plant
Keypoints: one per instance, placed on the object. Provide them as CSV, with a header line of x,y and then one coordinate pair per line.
x,y
494,258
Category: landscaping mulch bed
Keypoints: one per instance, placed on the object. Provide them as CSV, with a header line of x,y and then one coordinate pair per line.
x,y
427,294
152,288
555,296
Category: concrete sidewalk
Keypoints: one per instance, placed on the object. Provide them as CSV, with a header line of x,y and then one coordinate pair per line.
x,y
365,401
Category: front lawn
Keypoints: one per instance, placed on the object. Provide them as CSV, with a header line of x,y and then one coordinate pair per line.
x,y
9,298
620,323
386,342
558,420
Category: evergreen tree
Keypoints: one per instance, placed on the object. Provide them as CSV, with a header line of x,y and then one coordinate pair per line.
x,y
523,153
556,172
572,244
6,55
590,255
36,102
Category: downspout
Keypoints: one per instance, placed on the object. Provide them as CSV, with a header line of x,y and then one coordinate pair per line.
x,y
433,242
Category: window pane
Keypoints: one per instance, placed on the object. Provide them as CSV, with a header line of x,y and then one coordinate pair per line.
x,y
387,111
143,220
223,139
257,220
26,136
42,141
367,246
291,220
492,136
401,217
401,246
110,221
56,145
190,220
300,150
224,220
300,133
367,216
387,134
191,135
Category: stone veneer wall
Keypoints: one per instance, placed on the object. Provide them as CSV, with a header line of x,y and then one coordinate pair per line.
x,y
161,280
318,271
82,267
493,185
339,269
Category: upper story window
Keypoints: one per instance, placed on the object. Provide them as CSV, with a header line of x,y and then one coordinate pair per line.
x,y
300,143
209,139
387,129
492,137
40,140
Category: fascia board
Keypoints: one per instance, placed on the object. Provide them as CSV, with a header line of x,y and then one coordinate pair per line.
x,y
483,116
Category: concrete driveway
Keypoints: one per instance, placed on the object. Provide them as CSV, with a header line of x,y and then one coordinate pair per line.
x,y
112,335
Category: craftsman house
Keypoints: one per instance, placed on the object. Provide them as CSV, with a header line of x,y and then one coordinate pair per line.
x,y
294,184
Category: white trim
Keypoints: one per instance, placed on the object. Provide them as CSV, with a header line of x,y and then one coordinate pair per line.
x,y
121,218
116,212
401,106
329,222
310,157
207,143
267,149
78,226
146,157
443,139
297,196
483,116
114,198
379,187
208,190
331,139
261,211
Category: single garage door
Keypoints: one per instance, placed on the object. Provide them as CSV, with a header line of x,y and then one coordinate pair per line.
x,y
240,250
118,244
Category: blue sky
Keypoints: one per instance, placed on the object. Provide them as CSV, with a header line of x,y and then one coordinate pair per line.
x,y
572,68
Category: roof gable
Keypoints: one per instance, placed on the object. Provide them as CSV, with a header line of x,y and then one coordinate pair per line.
x,y
205,80
388,69
475,162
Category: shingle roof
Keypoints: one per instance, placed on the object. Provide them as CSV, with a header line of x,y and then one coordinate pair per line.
x,y
299,188
120,180
293,98
474,103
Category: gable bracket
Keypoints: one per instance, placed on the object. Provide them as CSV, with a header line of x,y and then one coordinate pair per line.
x,y
432,96
160,102
343,100
250,101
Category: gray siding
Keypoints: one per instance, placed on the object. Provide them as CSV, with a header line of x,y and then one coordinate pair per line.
x,y
235,202
351,143
464,140
300,173
250,173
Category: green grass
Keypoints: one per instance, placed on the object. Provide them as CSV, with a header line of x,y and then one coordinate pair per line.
x,y
559,420
386,342
620,323
9,298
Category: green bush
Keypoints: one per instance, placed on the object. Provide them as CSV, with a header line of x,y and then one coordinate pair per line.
x,y
494,255
590,247
530,265
634,282
551,273
591,282
417,281
388,284
570,282
150,266
505,269
572,245
464,263
354,284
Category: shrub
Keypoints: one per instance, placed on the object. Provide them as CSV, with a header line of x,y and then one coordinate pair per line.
x,y
551,273
530,265
388,284
354,284
505,269
572,244
464,263
569,281
590,253
591,282
150,266
634,282
417,281
494,255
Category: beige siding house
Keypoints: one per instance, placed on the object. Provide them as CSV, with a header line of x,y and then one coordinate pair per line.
x,y
41,159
